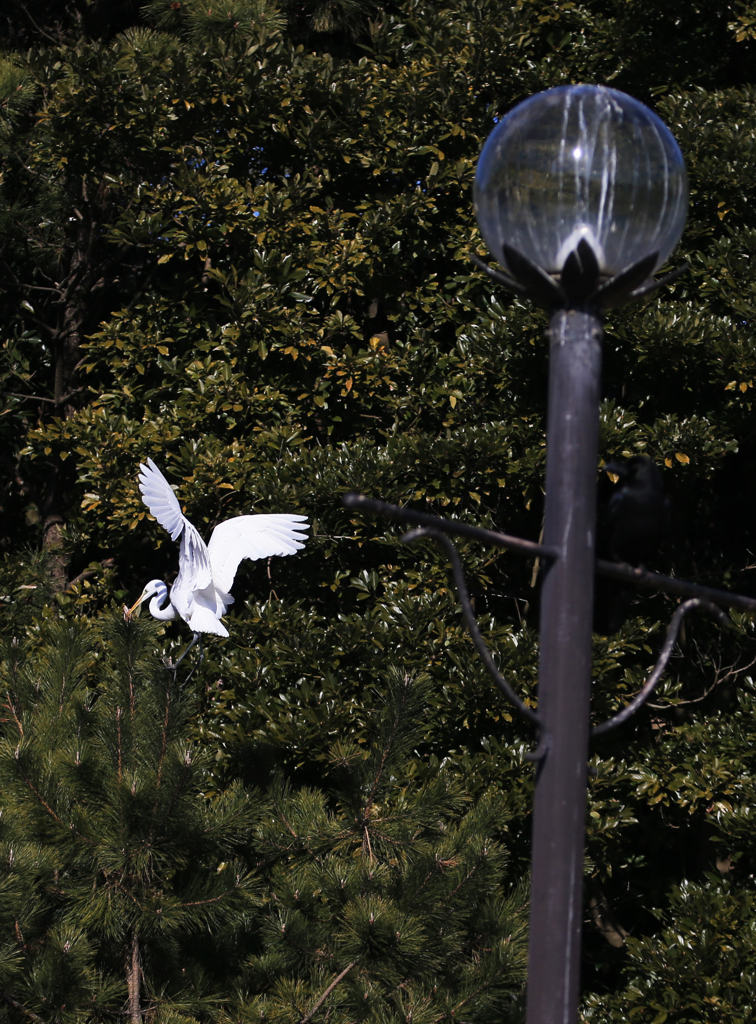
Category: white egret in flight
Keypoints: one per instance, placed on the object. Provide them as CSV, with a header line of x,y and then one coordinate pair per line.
x,y
200,593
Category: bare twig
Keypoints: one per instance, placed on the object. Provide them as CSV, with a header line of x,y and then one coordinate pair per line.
x,y
106,563
339,977
719,678
212,899
24,8
33,398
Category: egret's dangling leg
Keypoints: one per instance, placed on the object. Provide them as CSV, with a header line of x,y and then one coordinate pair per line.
x,y
197,638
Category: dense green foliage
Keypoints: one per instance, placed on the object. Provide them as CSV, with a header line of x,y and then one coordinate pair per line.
x,y
236,240
123,885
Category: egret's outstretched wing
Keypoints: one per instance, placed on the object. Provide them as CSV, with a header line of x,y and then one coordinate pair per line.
x,y
253,537
158,496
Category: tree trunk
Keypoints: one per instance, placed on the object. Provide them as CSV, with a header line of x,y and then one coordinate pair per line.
x,y
133,979
52,542
67,344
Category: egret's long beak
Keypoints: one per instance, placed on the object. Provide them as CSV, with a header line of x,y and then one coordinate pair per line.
x,y
138,602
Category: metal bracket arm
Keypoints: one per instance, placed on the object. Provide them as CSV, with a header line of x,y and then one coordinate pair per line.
x,y
464,599
666,652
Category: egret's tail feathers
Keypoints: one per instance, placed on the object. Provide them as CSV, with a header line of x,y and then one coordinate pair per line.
x,y
203,620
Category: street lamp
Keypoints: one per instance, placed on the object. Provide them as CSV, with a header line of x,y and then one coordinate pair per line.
x,y
581,162
577,187
581,194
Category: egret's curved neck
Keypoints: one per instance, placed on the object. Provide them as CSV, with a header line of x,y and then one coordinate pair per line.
x,y
167,611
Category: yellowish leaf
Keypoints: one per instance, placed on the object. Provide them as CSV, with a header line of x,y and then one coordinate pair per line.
x,y
682,458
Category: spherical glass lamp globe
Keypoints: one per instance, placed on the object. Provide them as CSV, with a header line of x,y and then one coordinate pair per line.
x,y
581,162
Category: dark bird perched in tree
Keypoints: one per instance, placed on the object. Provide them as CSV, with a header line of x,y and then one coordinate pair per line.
x,y
638,510
629,529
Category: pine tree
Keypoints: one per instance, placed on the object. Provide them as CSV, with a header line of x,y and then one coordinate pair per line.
x,y
388,899
140,883
127,890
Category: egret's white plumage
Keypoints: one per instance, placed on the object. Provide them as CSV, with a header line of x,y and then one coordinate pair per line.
x,y
200,594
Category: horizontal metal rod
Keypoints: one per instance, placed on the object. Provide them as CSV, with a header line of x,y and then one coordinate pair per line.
x,y
669,585
408,515
615,570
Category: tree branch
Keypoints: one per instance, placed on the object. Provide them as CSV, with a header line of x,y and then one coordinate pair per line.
x,y
719,678
19,1006
339,977
33,398
24,8
106,563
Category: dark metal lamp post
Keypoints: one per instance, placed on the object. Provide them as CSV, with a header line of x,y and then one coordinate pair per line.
x,y
581,194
